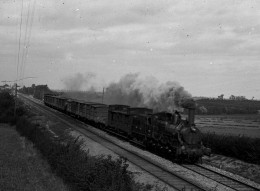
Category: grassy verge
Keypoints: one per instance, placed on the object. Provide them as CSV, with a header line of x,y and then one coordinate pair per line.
x,y
81,171
77,168
243,148
22,168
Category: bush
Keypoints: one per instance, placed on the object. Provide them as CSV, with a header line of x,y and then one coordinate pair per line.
x,y
243,148
7,103
6,108
77,168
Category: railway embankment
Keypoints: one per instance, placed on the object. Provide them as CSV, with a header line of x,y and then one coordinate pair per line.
x,y
76,167
73,123
22,166
67,160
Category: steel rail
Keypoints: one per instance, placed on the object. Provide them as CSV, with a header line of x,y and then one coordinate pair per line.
x,y
220,178
162,173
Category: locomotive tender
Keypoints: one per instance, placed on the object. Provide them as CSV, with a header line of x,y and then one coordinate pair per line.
x,y
163,133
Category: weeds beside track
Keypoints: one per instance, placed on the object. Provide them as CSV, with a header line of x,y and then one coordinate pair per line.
x,y
243,148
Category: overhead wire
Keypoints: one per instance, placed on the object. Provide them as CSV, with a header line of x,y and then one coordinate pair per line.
x,y
27,36
25,40
17,36
19,43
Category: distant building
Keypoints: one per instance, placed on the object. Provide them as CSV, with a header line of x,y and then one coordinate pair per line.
x,y
4,87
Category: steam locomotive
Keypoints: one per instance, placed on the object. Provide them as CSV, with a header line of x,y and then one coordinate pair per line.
x,y
163,133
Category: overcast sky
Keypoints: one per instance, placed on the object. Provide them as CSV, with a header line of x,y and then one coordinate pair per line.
x,y
209,47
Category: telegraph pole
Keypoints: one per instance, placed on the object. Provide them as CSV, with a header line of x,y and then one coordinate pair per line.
x,y
15,98
15,91
103,95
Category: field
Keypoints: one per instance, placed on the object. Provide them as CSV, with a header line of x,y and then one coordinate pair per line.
x,y
247,125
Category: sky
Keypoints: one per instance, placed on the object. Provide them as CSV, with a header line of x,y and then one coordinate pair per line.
x,y
208,47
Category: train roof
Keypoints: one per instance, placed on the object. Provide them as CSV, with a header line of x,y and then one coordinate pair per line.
x,y
117,107
142,115
120,105
132,114
87,102
99,105
50,94
78,101
55,96
121,112
141,108
134,111
94,103
60,97
162,112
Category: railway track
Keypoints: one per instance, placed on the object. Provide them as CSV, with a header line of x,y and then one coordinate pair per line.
x,y
170,178
162,173
220,178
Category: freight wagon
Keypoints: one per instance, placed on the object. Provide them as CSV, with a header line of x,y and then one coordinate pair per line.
x,y
163,133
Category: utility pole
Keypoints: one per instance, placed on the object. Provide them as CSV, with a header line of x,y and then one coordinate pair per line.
x,y
15,91
15,98
103,95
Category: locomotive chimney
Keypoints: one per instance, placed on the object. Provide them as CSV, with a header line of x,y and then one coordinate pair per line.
x,y
191,115
189,104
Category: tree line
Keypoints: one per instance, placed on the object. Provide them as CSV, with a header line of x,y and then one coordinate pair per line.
x,y
37,91
227,106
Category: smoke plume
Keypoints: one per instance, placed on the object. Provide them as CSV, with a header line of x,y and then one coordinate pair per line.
x,y
79,81
146,92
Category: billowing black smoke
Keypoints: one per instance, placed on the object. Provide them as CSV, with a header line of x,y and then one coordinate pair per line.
x,y
146,92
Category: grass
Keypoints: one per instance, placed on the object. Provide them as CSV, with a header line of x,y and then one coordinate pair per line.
x,y
21,167
237,125
243,120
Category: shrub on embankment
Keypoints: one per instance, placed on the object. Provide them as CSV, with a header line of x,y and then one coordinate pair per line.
x,y
240,147
76,167
7,108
